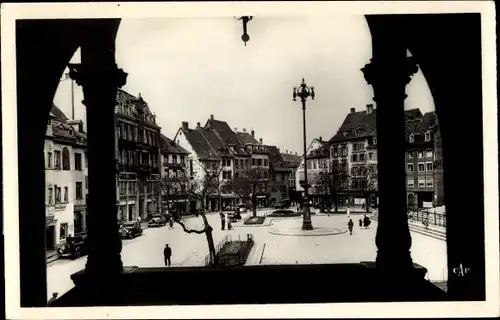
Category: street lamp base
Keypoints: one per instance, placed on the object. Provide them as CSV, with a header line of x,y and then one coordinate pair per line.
x,y
307,225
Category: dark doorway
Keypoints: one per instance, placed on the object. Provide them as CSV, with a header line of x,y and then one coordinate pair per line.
x,y
50,238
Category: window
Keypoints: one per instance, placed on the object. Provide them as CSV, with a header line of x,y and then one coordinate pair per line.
x,y
57,158
63,231
354,157
315,164
374,140
58,193
191,167
266,162
254,162
335,151
78,161
174,158
430,182
409,167
49,159
421,182
420,154
78,193
427,136
410,155
421,167
182,160
370,156
49,196
429,154
86,161
65,194
412,138
429,166
411,182
355,147
362,157
65,156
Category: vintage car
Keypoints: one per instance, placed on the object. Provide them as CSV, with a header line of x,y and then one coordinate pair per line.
x,y
283,204
129,230
75,247
157,221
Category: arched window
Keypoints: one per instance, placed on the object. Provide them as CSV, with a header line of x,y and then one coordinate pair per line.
x,y
65,156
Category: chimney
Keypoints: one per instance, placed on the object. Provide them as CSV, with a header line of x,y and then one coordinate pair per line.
x,y
235,129
260,140
369,108
320,139
198,125
244,129
185,125
353,110
286,151
211,117
253,133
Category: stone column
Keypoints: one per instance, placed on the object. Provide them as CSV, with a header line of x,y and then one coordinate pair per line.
x,y
389,72
99,77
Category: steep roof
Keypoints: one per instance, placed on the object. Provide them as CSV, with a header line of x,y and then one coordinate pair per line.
x,y
199,144
246,138
288,157
124,97
212,138
363,124
168,146
58,114
222,128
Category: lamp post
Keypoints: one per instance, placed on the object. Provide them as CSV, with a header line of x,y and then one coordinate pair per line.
x,y
303,92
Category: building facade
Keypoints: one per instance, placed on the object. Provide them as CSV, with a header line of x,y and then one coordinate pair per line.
x,y
175,164
420,161
138,152
292,161
65,179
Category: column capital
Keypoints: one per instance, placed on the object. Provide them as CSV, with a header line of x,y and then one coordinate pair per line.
x,y
95,74
381,73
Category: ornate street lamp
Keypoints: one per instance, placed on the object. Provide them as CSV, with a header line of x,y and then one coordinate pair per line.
x,y
303,92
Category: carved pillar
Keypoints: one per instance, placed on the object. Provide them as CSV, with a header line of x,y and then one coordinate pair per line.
x,y
389,72
99,77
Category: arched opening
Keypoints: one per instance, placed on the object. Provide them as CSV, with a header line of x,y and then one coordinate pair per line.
x,y
437,84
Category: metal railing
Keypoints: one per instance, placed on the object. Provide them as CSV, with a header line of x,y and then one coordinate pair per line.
x,y
427,217
226,239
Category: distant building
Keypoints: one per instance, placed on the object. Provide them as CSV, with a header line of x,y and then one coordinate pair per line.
x,y
420,160
65,179
174,163
292,161
312,165
139,157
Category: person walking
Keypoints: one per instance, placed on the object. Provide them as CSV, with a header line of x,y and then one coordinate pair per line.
x,y
350,225
167,253
360,223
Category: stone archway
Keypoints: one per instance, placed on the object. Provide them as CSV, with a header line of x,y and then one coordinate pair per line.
x,y
38,77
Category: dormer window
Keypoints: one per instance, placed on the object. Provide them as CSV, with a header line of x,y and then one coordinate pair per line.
x,y
427,136
359,131
412,138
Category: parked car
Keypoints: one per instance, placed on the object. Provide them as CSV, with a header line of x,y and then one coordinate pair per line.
x,y
283,204
130,230
157,221
75,247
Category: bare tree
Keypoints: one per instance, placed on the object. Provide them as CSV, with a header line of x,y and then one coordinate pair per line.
x,y
247,184
368,186
195,188
331,180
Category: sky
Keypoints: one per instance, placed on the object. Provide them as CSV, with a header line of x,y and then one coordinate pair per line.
x,y
189,68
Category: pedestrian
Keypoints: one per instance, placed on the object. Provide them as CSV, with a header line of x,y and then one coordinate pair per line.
x,y
229,225
350,225
171,222
51,300
167,253
366,222
360,223
222,220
